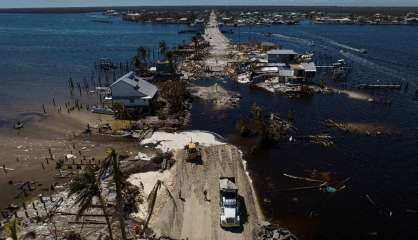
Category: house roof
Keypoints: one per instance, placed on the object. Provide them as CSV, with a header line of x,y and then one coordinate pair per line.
x,y
138,84
282,52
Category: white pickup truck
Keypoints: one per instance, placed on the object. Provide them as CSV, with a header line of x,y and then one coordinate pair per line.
x,y
229,204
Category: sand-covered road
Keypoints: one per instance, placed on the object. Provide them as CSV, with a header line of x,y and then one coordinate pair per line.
x,y
219,45
187,215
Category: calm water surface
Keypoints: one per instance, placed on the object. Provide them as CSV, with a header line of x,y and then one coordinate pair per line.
x,y
39,52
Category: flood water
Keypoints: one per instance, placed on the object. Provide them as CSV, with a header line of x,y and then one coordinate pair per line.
x,y
39,52
384,167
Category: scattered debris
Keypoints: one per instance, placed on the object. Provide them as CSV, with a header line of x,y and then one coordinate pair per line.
x,y
267,231
221,98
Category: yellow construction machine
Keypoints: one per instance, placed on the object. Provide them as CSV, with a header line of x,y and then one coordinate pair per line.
x,y
192,152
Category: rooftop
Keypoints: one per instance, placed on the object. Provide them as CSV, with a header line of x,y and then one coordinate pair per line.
x,y
140,85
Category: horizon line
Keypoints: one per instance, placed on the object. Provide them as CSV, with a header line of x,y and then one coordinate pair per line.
x,y
206,5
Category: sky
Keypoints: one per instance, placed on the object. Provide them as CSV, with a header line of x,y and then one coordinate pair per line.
x,y
90,3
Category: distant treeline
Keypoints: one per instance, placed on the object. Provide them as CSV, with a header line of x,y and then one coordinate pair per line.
x,y
329,9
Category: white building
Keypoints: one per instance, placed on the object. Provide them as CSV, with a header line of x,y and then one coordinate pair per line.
x,y
133,91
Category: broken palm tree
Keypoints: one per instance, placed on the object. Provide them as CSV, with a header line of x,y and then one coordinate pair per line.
x,y
152,198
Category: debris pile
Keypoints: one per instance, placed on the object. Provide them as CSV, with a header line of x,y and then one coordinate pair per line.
x,y
220,97
191,70
266,231
324,140
270,127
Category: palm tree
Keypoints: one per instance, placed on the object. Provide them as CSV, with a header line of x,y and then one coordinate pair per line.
x,y
87,186
112,162
195,42
11,230
169,55
142,53
121,112
163,48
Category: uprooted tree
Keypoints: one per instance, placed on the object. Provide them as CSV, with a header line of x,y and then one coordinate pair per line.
x,y
270,127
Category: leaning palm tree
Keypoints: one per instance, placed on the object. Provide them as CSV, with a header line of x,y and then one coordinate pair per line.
x,y
11,230
112,163
87,186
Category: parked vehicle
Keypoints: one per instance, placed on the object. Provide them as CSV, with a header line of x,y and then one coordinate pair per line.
x,y
228,203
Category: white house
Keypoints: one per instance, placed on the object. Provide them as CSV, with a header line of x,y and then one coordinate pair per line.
x,y
133,91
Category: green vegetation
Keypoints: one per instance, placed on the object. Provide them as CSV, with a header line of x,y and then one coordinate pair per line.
x,y
87,186
269,127
121,112
174,92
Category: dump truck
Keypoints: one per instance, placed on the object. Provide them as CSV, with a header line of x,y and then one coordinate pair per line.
x,y
192,152
228,203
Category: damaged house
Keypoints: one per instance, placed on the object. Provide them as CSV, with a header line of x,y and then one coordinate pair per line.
x,y
133,91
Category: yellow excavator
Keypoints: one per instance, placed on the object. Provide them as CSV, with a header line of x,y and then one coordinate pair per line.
x,y
192,152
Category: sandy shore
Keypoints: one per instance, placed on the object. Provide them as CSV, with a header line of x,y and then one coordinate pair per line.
x,y
24,152
180,210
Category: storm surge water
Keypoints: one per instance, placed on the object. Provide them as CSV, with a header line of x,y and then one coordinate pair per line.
x,y
379,158
39,52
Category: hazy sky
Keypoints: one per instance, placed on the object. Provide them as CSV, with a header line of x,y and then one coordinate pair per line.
x,y
84,3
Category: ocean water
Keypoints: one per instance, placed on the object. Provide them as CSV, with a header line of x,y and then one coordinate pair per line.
x,y
39,52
